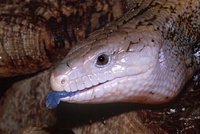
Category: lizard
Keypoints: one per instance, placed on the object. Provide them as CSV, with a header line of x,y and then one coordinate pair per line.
x,y
146,56
24,90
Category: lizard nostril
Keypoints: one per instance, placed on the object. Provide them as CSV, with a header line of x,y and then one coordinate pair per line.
x,y
63,81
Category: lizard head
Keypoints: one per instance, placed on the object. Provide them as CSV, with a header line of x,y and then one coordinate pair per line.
x,y
122,67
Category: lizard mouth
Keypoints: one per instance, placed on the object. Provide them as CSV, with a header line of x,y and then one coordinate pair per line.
x,y
53,97
73,93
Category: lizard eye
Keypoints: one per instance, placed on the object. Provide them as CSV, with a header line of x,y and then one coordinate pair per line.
x,y
102,60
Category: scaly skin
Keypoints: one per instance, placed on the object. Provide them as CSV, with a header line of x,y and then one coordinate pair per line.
x,y
149,54
35,34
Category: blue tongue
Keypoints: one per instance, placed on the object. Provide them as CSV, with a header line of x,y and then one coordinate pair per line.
x,y
53,97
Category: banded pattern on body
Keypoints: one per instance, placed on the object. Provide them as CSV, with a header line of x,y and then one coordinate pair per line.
x,y
34,35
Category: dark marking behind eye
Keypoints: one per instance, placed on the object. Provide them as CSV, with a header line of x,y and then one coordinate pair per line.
x,y
151,93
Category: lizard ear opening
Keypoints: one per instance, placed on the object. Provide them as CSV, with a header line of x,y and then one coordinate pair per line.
x,y
102,60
